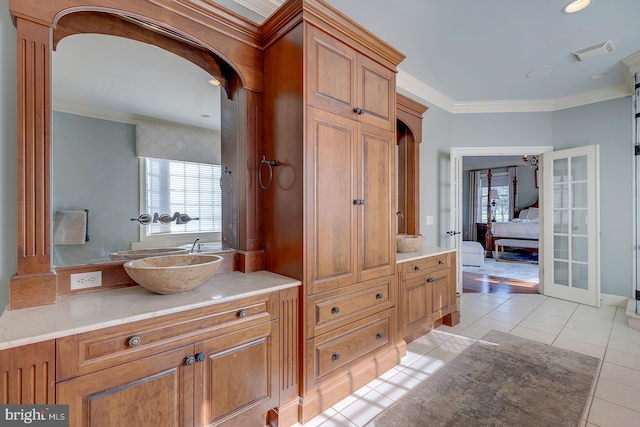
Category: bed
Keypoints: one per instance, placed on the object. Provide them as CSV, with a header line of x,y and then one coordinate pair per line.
x,y
524,226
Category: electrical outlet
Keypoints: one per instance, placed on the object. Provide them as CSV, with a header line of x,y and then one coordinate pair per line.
x,y
92,279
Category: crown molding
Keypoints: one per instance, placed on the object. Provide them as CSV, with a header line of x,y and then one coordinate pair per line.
x,y
262,7
429,94
631,66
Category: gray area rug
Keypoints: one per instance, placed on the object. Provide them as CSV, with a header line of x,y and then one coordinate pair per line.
x,y
528,272
501,380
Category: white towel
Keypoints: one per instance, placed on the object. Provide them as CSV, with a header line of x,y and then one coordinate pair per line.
x,y
70,228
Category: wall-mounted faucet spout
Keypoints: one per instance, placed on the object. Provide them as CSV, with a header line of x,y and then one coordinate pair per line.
x,y
194,245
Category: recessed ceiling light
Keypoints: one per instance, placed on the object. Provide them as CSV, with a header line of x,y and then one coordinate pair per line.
x,y
576,6
214,82
539,72
600,75
206,116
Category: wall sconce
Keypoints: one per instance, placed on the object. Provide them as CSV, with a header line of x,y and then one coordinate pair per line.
x,y
531,160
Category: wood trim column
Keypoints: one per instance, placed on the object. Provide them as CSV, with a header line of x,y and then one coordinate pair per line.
x,y
35,283
27,374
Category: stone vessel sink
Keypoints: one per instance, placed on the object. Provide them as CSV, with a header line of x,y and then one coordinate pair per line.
x,y
145,253
409,242
173,274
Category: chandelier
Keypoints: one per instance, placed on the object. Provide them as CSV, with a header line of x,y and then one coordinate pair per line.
x,y
530,160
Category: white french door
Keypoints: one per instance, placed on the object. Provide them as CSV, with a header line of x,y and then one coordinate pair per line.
x,y
456,216
571,226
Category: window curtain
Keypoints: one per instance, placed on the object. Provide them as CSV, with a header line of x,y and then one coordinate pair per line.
x,y
474,186
513,193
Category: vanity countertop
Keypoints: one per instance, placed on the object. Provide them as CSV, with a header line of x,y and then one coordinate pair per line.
x,y
425,251
86,312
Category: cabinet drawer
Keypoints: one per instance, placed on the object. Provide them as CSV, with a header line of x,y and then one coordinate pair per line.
x,y
339,348
417,267
332,309
92,351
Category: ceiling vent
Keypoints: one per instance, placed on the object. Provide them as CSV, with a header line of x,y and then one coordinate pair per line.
x,y
593,51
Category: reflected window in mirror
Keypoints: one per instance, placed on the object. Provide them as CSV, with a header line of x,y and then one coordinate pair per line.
x,y
187,188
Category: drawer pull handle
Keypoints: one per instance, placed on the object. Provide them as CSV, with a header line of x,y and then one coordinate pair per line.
x,y
242,313
416,268
189,360
430,280
440,262
200,356
335,356
335,310
379,336
134,341
379,296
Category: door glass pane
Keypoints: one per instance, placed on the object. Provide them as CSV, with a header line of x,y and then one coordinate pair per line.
x,y
579,221
580,192
561,195
579,168
561,273
561,247
561,222
579,273
560,170
579,249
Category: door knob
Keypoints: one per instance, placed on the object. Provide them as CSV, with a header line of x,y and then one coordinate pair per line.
x,y
452,233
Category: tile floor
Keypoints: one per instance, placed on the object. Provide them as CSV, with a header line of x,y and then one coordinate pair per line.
x,y
603,333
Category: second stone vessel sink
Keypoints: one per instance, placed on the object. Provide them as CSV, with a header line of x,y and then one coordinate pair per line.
x,y
409,242
145,253
173,274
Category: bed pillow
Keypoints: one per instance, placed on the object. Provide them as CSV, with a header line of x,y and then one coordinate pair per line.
x,y
532,214
523,214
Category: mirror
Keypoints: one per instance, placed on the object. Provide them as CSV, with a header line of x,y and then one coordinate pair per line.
x,y
109,92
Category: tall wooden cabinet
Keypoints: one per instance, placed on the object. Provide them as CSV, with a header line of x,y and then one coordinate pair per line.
x,y
329,217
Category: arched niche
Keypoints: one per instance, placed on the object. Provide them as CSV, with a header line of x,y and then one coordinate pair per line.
x,y
224,44
408,136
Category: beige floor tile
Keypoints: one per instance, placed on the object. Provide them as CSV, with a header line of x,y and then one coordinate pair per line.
x,y
319,419
534,335
516,311
548,318
625,333
337,420
498,298
622,359
537,325
474,331
605,311
617,393
352,397
366,408
606,414
423,368
625,346
504,317
592,320
586,337
494,324
604,330
398,385
580,347
620,374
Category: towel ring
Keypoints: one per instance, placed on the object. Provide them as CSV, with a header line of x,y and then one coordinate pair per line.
x,y
226,171
270,164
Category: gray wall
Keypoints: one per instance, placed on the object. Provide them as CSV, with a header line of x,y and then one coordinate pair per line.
x,y
8,153
94,167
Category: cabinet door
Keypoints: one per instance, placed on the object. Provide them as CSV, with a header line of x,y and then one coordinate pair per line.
x,y
27,374
331,242
377,220
376,94
439,284
331,68
237,383
152,391
415,308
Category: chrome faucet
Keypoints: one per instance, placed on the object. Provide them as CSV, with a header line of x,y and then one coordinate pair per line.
x,y
194,245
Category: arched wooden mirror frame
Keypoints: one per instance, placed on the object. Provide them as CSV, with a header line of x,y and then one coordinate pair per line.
x,y
409,136
223,43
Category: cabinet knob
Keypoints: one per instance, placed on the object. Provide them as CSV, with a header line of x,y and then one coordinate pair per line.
x,y
416,268
335,310
134,341
379,336
430,280
379,296
440,262
358,202
335,356
200,356
242,313
189,360
358,111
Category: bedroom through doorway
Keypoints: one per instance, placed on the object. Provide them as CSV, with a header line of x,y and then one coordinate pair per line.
x,y
499,210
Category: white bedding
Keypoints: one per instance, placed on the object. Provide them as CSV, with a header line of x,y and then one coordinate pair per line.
x,y
516,228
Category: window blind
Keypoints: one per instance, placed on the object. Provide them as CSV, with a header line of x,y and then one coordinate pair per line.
x,y
185,187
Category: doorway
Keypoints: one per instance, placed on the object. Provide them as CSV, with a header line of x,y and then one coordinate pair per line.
x,y
483,282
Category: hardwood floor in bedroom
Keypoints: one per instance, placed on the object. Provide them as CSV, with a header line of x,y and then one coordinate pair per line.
x,y
483,283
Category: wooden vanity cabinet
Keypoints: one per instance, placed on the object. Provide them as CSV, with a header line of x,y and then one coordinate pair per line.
x,y
427,294
27,374
221,370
